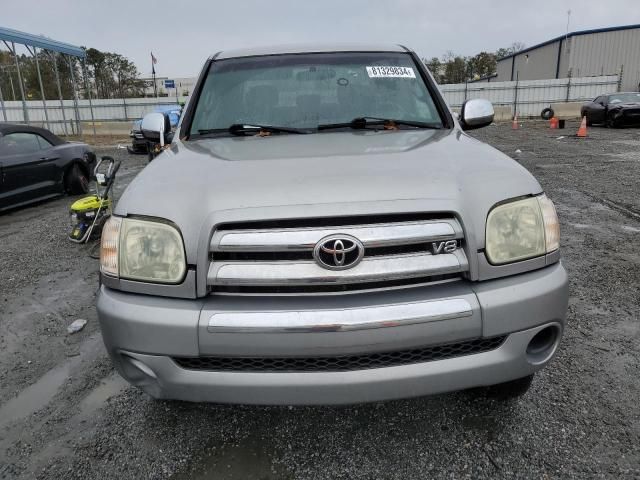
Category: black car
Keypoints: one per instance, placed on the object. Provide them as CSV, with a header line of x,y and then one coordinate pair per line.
x,y
35,165
613,110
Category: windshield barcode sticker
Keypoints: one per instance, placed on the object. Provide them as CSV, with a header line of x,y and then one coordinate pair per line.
x,y
390,72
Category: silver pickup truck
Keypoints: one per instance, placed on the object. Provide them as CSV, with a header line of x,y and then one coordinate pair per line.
x,y
321,230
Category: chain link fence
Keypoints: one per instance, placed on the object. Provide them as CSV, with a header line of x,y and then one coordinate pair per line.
x,y
527,98
62,118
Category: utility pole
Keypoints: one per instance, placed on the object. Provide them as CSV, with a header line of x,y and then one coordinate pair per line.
x,y
566,41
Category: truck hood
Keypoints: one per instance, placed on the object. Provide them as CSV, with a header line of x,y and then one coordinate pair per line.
x,y
199,183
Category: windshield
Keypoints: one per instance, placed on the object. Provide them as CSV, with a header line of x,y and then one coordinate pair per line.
x,y
625,98
304,91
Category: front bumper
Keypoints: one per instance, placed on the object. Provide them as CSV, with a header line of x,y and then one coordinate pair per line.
x,y
142,333
627,117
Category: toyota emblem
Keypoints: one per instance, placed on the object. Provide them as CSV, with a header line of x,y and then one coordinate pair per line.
x,y
338,252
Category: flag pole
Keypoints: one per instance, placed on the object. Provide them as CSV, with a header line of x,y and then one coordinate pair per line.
x,y
153,75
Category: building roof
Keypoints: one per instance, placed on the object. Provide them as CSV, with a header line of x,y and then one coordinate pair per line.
x,y
23,38
572,34
310,48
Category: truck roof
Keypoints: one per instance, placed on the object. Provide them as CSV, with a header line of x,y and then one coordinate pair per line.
x,y
310,48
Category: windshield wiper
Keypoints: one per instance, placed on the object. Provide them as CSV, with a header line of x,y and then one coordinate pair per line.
x,y
244,128
387,123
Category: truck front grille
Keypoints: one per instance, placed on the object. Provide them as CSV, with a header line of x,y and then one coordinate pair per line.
x,y
341,363
277,257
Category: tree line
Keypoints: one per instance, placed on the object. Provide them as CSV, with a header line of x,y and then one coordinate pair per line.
x,y
107,75
452,68
111,75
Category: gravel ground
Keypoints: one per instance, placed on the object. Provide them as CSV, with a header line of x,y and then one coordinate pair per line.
x,y
64,413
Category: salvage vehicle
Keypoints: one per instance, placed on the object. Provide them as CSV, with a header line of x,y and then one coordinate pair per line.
x,y
138,143
613,110
322,230
37,165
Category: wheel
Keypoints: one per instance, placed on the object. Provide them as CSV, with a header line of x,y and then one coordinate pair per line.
x,y
512,389
589,122
547,114
612,122
76,181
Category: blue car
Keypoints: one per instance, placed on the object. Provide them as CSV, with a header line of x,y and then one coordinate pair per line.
x,y
138,143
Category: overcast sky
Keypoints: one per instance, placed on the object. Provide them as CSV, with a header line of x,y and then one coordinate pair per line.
x,y
183,34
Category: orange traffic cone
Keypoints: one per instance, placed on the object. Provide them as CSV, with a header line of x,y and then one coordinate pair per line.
x,y
514,123
582,131
553,123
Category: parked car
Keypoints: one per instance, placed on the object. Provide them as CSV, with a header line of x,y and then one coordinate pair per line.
x,y
323,231
613,110
35,165
138,142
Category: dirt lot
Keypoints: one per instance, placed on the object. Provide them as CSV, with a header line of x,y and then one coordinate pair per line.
x,y
65,414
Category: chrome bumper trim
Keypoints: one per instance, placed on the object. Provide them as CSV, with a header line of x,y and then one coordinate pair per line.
x,y
351,319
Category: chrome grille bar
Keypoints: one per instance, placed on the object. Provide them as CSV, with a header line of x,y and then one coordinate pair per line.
x,y
370,269
304,239
313,321
280,259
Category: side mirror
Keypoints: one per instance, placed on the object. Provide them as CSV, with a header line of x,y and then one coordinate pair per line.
x,y
156,127
476,113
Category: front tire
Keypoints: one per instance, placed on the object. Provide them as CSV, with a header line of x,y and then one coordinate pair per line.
x,y
510,390
612,121
76,181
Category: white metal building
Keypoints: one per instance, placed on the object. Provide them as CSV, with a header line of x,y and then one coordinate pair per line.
x,y
183,86
605,51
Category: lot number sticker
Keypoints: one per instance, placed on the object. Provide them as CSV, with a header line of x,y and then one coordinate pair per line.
x,y
390,72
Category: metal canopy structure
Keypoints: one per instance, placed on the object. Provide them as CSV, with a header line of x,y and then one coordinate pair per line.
x,y
9,35
54,49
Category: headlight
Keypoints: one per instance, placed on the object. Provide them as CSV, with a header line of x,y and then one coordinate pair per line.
x,y
143,250
522,229
109,246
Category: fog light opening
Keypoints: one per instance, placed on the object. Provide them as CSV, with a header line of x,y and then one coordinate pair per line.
x,y
136,371
543,344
